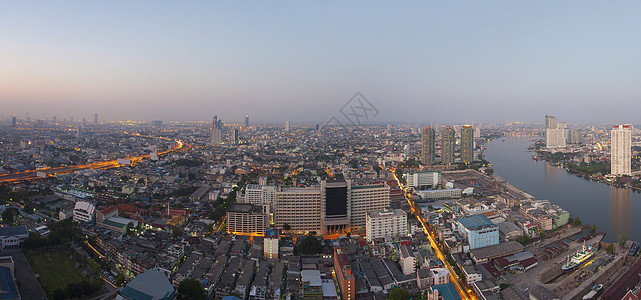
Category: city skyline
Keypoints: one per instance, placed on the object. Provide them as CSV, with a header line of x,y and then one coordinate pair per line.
x,y
287,62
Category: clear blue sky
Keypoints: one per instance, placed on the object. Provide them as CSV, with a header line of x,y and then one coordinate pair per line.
x,y
439,61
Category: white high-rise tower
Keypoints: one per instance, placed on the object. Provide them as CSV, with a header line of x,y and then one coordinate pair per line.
x,y
621,150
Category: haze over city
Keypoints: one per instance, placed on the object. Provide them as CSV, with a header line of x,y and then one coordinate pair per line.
x,y
416,62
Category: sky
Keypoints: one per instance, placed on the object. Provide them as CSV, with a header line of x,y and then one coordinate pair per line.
x,y
302,61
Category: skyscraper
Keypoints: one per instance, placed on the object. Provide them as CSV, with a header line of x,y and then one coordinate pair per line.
x,y
427,145
467,144
246,121
550,122
234,136
447,145
14,122
621,151
555,135
216,131
53,119
287,126
95,118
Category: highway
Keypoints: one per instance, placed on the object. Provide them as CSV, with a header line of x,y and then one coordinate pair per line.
x,y
103,165
454,278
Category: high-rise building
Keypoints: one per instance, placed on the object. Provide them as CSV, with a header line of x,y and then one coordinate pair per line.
x,y
621,151
428,145
53,119
216,136
246,218
550,122
95,118
14,122
234,136
344,276
555,133
246,121
287,126
335,208
298,208
467,144
447,145
216,131
366,198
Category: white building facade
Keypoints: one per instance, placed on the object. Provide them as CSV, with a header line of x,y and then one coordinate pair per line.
x,y
621,151
386,223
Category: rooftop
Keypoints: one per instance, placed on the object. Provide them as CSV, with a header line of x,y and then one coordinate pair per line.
x,y
476,222
150,285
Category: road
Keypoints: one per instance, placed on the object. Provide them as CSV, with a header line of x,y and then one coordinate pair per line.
x,y
454,278
32,174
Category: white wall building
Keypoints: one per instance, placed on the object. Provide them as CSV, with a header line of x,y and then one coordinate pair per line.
x,y
83,212
407,260
441,275
300,208
384,223
418,179
621,151
260,195
366,198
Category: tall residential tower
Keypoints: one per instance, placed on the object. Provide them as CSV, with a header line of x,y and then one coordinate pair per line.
x,y
621,151
447,145
467,144
427,148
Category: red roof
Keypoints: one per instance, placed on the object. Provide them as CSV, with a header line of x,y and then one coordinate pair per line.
x,y
127,208
108,210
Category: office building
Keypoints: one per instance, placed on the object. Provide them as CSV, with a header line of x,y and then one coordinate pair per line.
x,y
363,199
54,119
270,243
243,218
621,151
260,194
14,122
287,126
479,231
384,223
428,145
447,145
420,179
335,206
298,208
234,136
467,144
246,121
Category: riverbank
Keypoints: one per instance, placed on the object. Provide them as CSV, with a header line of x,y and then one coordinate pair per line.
x,y
591,172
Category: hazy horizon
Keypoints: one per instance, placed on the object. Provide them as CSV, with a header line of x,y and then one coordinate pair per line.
x,y
454,62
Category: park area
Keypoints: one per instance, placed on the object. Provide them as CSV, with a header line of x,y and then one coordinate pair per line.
x,y
55,269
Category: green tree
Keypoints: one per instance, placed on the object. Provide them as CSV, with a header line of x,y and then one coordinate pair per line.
x,y
9,215
120,279
177,232
287,227
610,249
593,229
399,294
622,240
190,289
524,239
309,245
577,221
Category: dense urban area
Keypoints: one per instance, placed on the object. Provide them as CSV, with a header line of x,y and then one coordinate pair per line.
x,y
209,210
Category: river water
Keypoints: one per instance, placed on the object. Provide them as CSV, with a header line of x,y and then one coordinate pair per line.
x,y
612,209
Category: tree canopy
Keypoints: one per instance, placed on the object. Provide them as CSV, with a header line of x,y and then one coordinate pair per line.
x,y
399,294
309,245
191,289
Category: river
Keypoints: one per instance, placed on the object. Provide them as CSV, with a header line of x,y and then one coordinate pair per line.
x,y
610,208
